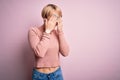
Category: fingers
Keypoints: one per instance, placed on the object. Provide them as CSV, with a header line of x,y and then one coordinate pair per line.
x,y
56,17
60,21
60,24
53,18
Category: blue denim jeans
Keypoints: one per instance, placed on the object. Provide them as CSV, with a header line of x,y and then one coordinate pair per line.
x,y
56,75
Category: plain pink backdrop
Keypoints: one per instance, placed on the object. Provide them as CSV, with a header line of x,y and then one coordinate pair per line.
x,y
91,27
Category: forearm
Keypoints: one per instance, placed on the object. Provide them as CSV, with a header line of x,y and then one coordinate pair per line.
x,y
63,45
39,44
42,46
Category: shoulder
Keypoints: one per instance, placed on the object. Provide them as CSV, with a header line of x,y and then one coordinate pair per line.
x,y
35,30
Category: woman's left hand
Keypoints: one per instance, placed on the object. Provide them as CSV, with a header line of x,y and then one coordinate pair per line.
x,y
59,25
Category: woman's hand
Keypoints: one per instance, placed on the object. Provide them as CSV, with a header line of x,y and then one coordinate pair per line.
x,y
59,25
50,24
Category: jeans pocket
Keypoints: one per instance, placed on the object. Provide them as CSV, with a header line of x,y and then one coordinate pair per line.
x,y
58,75
38,76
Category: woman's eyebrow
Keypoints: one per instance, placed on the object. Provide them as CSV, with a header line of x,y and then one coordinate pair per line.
x,y
55,15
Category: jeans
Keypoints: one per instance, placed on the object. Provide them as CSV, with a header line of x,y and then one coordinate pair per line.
x,y
56,75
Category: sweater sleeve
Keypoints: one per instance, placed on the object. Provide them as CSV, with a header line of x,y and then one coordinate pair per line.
x,y
63,45
39,44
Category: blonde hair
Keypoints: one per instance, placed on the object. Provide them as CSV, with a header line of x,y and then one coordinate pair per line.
x,y
47,11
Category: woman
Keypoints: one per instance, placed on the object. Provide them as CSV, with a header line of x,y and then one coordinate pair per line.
x,y
48,42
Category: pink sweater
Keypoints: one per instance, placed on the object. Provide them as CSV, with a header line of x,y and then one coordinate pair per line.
x,y
47,46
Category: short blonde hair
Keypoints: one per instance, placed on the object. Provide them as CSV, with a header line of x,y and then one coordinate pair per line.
x,y
48,10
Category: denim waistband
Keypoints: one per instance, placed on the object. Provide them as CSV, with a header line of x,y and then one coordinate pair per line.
x,y
41,73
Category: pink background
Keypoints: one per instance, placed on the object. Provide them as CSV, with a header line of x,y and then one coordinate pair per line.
x,y
92,29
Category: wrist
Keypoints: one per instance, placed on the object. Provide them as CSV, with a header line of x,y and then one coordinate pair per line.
x,y
47,31
60,30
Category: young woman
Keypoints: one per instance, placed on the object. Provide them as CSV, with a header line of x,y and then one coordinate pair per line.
x,y
48,42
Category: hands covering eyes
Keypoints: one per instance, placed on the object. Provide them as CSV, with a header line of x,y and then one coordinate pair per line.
x,y
52,22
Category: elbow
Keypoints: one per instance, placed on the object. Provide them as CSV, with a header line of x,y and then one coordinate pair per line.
x,y
39,53
65,53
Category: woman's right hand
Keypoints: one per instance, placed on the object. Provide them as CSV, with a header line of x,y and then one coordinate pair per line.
x,y
50,24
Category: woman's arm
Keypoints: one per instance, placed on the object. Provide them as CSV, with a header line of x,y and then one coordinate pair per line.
x,y
38,44
63,45
64,48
